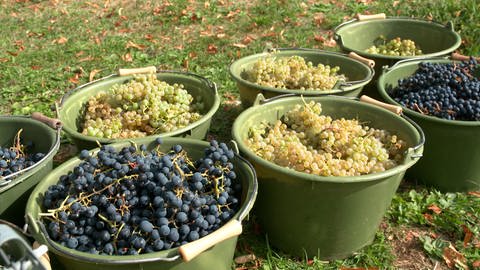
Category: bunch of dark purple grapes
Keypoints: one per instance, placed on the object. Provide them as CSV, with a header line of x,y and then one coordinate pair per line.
x,y
17,157
136,201
450,91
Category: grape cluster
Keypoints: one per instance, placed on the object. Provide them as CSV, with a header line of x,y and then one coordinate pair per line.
x,y
292,73
446,90
17,157
395,47
136,201
140,107
306,141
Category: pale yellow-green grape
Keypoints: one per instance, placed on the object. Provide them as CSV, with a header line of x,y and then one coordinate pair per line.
x,y
306,141
292,72
140,107
396,47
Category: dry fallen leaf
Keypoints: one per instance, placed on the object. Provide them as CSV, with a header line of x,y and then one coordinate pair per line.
x,y
92,74
474,193
36,67
476,264
451,257
61,40
468,235
212,49
245,259
239,45
88,58
3,60
435,209
127,57
318,18
75,78
131,44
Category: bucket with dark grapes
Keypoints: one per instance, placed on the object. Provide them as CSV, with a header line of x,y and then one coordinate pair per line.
x,y
327,169
387,40
138,103
308,72
27,147
152,203
443,97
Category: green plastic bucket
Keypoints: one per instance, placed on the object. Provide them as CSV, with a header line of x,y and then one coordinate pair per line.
x,y
358,74
217,253
433,38
328,217
452,151
15,188
70,110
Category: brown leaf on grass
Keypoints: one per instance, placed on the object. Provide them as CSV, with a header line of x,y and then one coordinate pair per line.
x,y
185,63
437,210
232,14
318,18
326,41
245,259
476,264
88,58
359,268
395,3
92,74
309,262
247,39
61,40
124,30
131,44
212,49
34,67
192,54
127,57
12,53
452,257
239,45
468,235
3,60
80,53
148,37
474,193
428,217
75,78
179,47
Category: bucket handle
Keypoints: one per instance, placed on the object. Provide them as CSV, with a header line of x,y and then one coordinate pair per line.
x,y
192,249
399,111
368,62
51,122
365,17
131,71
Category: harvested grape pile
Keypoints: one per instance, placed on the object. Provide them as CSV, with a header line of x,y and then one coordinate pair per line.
x,y
306,141
445,90
140,107
17,157
292,73
395,47
136,201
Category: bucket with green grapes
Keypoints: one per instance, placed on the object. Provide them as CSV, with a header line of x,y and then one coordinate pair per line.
x,y
139,103
327,169
298,71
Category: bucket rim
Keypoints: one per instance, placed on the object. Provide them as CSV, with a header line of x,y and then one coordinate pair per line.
x,y
356,23
168,255
383,92
18,177
412,154
342,87
79,136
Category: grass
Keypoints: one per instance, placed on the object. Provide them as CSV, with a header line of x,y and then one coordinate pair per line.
x,y
51,47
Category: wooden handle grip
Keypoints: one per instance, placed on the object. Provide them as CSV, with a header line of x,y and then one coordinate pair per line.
x,y
368,62
44,259
130,71
51,122
362,17
461,57
192,249
390,107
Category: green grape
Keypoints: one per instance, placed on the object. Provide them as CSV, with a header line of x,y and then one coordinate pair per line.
x,y
140,107
292,73
395,47
307,141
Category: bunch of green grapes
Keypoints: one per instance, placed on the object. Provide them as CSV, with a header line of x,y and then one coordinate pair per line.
x,y
395,47
306,141
292,73
140,107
